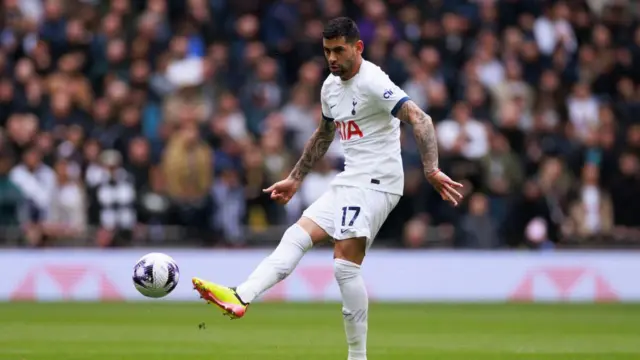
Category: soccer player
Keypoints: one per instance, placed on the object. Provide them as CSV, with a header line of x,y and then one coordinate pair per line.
x,y
364,106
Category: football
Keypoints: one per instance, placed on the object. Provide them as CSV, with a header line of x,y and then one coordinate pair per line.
x,y
155,275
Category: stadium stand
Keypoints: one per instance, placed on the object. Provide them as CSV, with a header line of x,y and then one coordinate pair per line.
x,y
159,122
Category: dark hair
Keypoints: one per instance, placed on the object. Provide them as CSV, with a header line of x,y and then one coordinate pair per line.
x,y
342,27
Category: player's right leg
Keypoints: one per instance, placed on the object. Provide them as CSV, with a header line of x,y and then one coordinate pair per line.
x,y
363,211
312,228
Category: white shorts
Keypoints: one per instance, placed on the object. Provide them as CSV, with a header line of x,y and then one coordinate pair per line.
x,y
346,212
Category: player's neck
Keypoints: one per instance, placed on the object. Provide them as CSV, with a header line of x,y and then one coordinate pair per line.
x,y
356,68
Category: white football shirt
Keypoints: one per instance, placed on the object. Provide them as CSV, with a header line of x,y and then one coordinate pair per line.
x,y
363,109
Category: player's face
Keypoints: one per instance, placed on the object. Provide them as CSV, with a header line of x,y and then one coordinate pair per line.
x,y
341,55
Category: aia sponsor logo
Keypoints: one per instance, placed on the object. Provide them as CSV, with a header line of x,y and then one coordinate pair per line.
x,y
65,282
348,130
564,284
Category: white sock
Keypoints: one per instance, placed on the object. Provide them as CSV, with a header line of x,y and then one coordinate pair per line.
x,y
355,307
277,266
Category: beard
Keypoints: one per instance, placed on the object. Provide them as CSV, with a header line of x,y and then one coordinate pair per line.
x,y
344,69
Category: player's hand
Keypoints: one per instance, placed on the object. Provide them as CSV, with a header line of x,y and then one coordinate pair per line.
x,y
445,186
283,191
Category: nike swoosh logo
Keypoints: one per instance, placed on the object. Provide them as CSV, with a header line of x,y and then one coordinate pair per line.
x,y
331,107
343,231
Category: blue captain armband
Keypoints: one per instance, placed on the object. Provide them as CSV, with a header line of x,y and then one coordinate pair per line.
x,y
399,104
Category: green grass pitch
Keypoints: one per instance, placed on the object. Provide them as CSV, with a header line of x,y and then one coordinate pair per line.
x,y
164,330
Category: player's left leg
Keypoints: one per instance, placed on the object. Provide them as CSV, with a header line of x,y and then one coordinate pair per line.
x,y
312,228
358,219
348,257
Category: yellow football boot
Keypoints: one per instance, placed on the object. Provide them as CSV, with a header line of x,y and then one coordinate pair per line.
x,y
223,297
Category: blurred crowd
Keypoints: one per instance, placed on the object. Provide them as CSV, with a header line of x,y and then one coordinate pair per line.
x,y
121,120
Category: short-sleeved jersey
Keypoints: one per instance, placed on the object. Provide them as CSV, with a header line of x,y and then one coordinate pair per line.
x,y
363,109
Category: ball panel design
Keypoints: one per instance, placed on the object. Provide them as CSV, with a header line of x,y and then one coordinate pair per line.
x,y
172,278
171,272
156,275
139,274
159,275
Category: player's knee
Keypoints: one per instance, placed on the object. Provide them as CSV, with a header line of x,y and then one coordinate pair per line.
x,y
297,236
345,270
352,250
284,258
316,233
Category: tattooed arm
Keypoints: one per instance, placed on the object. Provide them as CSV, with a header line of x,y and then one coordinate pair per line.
x,y
314,150
425,135
424,132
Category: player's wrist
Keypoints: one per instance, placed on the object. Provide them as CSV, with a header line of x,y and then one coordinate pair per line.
x,y
296,177
431,173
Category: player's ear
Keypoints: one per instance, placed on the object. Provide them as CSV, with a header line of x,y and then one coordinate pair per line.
x,y
359,46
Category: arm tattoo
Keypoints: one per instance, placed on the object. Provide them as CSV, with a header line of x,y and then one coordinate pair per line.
x,y
315,149
424,132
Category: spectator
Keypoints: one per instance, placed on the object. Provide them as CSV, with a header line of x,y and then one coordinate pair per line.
x,y
479,228
139,162
189,100
262,93
479,102
259,208
583,110
633,138
186,165
489,70
229,120
298,116
93,171
112,202
11,199
591,213
553,29
228,192
555,181
68,211
21,130
462,135
187,171
277,161
37,182
7,105
70,148
503,176
416,233
626,193
514,88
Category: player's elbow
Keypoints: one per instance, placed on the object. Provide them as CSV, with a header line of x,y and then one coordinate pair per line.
x,y
420,119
